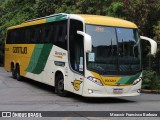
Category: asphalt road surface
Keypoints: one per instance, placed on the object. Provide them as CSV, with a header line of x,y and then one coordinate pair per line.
x,y
29,95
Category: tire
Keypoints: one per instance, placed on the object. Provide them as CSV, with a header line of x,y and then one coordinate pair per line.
x,y
13,73
59,86
18,76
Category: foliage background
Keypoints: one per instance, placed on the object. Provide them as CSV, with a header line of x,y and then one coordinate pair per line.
x,y
145,13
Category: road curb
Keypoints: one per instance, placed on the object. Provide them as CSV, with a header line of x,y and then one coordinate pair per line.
x,y
150,91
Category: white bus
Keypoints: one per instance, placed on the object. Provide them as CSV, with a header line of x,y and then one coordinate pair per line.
x,y
89,55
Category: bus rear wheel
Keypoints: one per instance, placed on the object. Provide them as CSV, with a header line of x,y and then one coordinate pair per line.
x,y
17,72
13,72
59,86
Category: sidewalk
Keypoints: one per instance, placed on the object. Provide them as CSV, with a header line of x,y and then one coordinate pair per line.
x,y
150,91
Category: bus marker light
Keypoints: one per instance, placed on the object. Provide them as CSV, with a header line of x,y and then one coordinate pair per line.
x,y
137,81
90,91
139,90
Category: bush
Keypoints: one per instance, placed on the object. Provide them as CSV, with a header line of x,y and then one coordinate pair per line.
x,y
150,80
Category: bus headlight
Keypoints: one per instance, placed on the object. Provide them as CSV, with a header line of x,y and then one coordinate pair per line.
x,y
95,80
137,81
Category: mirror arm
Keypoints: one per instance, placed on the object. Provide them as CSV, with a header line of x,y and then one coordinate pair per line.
x,y
87,41
152,43
80,33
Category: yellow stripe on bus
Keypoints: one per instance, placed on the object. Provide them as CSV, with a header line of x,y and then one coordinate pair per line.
x,y
28,24
21,53
107,21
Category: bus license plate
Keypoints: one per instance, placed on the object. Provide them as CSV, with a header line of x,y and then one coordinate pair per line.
x,y
118,90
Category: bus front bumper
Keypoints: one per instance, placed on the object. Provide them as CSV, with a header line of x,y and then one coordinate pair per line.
x,y
91,89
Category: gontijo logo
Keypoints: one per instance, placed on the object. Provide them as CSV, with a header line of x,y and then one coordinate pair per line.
x,y
20,50
59,54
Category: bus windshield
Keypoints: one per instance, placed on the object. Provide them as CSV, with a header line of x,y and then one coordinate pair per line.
x,y
115,50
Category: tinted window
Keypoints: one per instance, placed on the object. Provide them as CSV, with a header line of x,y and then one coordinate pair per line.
x,y
8,41
28,35
115,51
61,35
54,32
76,46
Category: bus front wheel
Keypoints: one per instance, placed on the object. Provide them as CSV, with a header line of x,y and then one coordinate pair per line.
x,y
59,86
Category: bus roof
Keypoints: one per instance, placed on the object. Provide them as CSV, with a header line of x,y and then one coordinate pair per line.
x,y
46,19
107,21
88,19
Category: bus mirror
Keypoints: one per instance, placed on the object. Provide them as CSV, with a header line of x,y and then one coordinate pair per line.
x,y
153,44
87,41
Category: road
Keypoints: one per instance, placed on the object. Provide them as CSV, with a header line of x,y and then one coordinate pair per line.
x,y
29,95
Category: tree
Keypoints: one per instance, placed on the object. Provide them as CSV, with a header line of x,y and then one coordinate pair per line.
x,y
14,12
44,7
143,13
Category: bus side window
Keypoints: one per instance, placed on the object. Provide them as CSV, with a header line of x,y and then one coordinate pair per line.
x,y
27,35
44,34
11,37
37,35
14,36
51,34
17,36
32,30
76,46
61,33
21,34
8,39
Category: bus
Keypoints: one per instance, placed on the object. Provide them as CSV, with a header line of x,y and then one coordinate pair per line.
x,y
89,55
